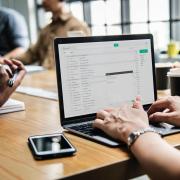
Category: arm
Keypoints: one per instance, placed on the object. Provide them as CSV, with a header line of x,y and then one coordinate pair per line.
x,y
17,34
5,90
14,52
159,159
35,52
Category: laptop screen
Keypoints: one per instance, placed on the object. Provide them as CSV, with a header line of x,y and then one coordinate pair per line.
x,y
98,75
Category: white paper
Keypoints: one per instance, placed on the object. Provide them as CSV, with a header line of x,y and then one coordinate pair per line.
x,y
34,68
12,105
37,92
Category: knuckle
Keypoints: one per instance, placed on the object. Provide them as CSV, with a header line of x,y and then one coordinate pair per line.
x,y
107,120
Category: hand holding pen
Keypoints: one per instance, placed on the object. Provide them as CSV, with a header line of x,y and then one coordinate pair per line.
x,y
11,75
12,80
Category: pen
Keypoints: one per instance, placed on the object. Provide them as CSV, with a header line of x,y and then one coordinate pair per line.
x,y
12,80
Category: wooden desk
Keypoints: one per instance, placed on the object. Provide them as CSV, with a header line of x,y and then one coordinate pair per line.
x,y
92,160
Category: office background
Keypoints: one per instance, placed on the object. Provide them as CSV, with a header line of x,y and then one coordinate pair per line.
x,y
107,17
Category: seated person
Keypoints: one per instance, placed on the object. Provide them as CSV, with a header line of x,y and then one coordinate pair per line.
x,y
62,22
159,159
5,74
13,33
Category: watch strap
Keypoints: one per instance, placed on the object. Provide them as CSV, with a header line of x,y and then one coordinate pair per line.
x,y
135,134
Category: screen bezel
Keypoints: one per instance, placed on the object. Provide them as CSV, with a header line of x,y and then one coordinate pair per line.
x,y
71,149
57,41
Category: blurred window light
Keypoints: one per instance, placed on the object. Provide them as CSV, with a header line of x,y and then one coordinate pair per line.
x,y
98,30
158,10
114,30
139,28
138,10
113,12
160,31
77,10
98,16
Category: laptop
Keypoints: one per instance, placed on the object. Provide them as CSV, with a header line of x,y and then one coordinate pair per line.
x,y
98,72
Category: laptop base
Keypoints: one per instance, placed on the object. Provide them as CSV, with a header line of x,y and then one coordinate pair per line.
x,y
99,139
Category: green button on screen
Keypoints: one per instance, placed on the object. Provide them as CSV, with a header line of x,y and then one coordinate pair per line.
x,y
142,51
116,45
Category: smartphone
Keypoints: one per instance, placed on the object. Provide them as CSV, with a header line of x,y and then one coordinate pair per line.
x,y
50,146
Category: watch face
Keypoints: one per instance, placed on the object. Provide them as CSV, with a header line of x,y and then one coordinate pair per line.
x,y
129,141
132,137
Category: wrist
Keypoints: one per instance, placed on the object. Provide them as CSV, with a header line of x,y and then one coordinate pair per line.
x,y
135,135
128,128
4,97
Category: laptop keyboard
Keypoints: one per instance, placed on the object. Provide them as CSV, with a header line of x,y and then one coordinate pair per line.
x,y
164,128
88,129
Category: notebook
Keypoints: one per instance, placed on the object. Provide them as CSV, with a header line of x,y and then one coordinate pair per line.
x,y
12,105
34,68
98,72
38,92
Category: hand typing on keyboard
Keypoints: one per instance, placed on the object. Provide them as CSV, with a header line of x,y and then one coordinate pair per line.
x,y
120,122
166,110
129,124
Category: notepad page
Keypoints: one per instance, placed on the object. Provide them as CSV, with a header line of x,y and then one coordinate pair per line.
x,y
34,68
38,92
12,105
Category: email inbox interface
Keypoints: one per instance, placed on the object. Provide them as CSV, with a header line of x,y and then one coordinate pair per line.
x,y
98,75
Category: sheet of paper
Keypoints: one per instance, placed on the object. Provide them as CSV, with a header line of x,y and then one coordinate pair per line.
x,y
37,92
12,105
34,68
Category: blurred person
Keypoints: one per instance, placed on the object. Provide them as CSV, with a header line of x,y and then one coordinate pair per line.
x,y
62,22
5,74
13,33
131,125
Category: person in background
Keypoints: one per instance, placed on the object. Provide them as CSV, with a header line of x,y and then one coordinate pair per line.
x,y
131,125
13,33
62,22
5,74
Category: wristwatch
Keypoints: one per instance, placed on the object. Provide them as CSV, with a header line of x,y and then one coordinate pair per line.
x,y
135,134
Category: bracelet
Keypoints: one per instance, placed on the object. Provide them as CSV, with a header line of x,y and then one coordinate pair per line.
x,y
135,134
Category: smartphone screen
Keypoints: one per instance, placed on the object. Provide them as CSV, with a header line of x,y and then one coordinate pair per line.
x,y
50,146
54,143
